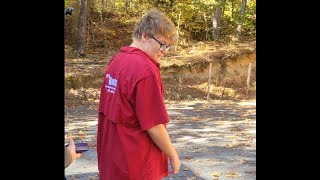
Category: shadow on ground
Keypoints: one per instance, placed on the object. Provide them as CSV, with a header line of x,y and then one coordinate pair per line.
x,y
215,139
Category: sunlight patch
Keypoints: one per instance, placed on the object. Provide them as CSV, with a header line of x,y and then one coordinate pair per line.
x,y
247,103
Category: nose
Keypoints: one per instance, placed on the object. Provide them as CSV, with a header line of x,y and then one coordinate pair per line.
x,y
165,51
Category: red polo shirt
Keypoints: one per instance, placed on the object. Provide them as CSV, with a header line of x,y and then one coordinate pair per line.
x,y
131,102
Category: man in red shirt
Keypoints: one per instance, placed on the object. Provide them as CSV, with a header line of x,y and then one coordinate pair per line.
x,y
132,140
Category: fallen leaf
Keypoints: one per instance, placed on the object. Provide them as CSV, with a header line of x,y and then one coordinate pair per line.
x,y
217,174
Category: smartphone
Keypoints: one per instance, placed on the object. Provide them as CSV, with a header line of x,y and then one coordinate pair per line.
x,y
81,147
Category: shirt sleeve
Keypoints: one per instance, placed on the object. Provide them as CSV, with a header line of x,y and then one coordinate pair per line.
x,y
67,157
149,103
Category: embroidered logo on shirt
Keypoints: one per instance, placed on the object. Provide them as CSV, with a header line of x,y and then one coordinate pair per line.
x,y
112,84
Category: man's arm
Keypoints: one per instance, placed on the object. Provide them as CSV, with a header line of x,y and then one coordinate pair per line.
x,y
161,138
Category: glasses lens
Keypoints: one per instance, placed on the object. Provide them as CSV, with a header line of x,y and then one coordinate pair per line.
x,y
164,47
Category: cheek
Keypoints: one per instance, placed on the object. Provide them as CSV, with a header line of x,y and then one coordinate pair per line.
x,y
156,55
152,52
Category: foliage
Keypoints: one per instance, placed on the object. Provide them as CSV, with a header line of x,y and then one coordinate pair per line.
x,y
103,15
68,3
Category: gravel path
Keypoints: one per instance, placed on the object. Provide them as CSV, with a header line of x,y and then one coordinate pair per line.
x,y
215,140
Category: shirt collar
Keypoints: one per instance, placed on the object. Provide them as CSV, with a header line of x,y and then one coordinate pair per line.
x,y
134,50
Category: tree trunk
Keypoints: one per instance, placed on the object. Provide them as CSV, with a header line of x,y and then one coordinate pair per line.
x,y
242,13
178,30
216,23
206,24
90,28
232,8
82,29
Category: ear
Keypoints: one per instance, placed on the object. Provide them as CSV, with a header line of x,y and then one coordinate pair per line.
x,y
144,37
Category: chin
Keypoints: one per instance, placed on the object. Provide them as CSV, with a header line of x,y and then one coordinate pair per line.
x,y
157,59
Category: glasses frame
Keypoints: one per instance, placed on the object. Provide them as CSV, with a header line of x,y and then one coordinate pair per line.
x,y
162,46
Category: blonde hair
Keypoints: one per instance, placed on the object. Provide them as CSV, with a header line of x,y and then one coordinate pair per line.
x,y
155,23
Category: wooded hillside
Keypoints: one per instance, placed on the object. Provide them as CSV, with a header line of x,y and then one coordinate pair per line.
x,y
220,32
98,26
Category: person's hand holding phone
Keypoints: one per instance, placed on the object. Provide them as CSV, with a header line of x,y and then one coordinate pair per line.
x,y
72,148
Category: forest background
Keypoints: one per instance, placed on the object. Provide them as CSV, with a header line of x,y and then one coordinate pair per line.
x,y
209,80
217,46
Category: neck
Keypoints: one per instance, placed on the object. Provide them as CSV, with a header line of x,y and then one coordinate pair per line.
x,y
137,44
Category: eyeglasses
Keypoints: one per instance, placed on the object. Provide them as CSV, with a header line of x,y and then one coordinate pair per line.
x,y
162,46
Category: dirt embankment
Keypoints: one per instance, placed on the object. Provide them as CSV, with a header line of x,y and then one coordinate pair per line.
x,y
185,73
